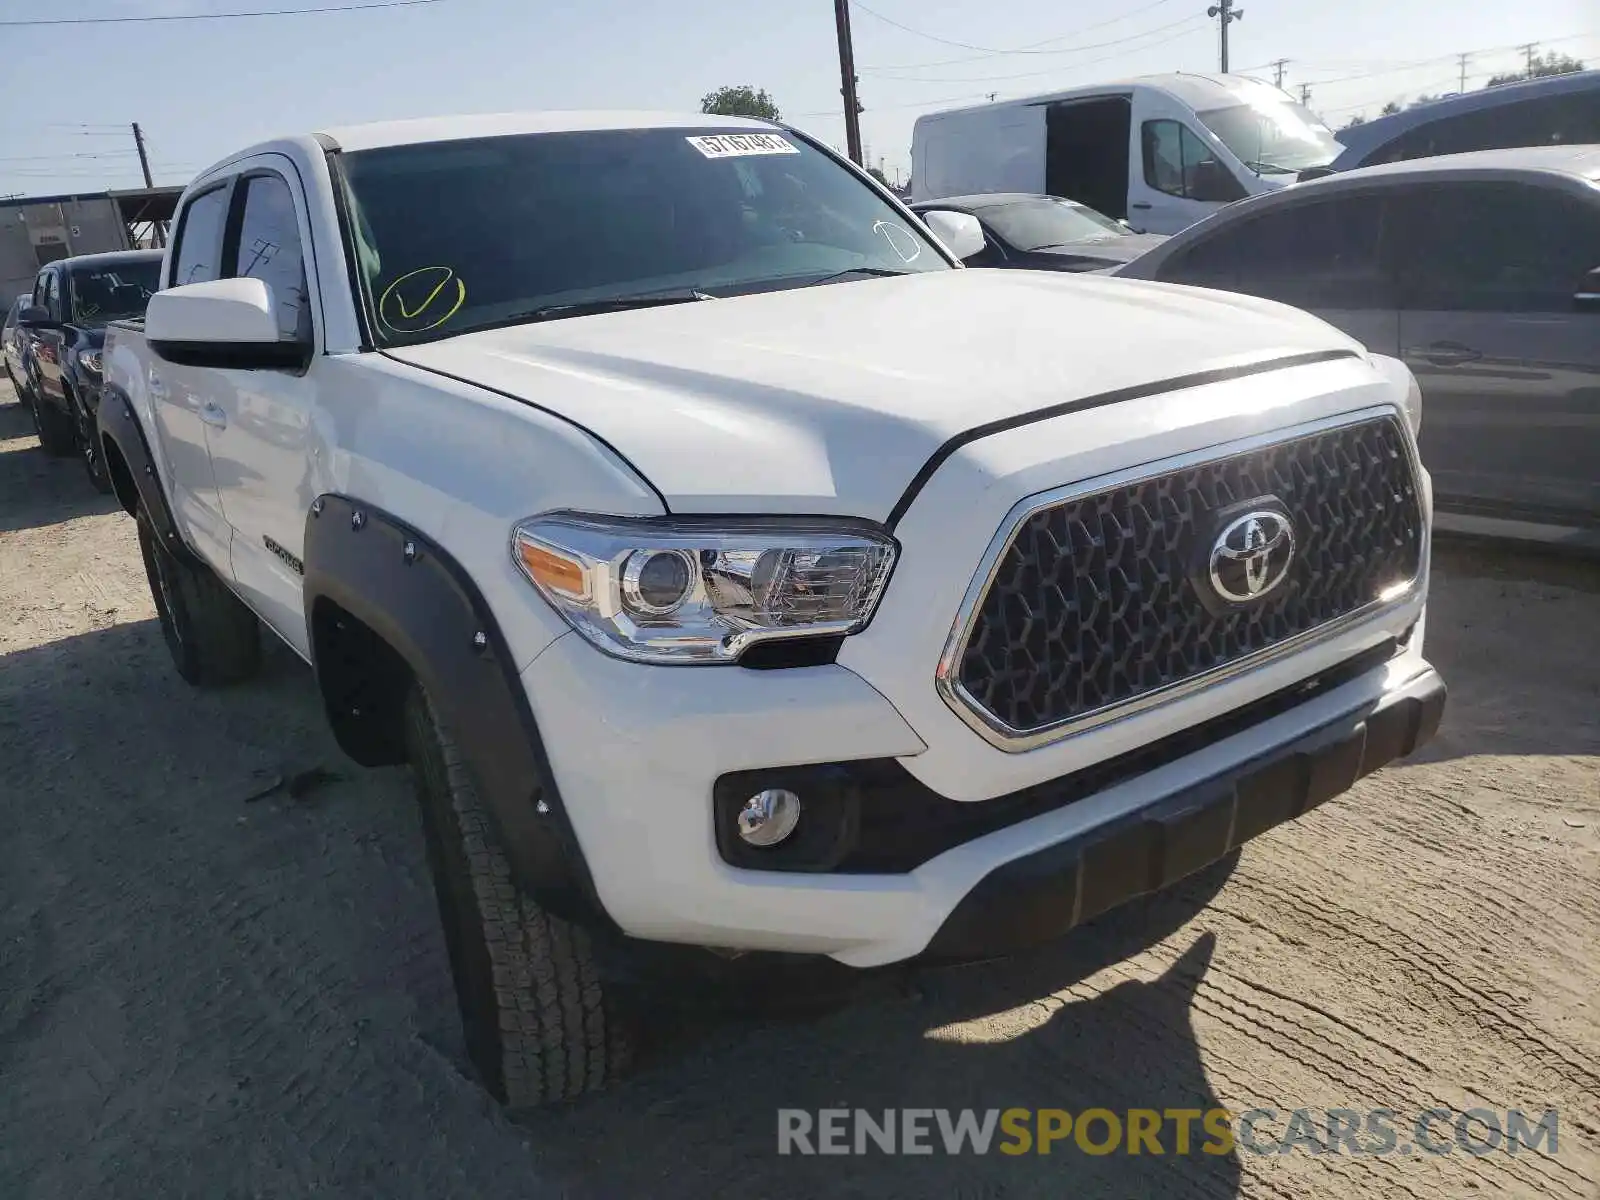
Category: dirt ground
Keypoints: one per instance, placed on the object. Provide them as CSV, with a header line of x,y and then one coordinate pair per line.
x,y
207,995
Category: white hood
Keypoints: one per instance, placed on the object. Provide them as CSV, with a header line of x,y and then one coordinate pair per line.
x,y
828,400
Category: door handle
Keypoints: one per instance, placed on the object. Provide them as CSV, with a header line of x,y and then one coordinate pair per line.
x,y
1139,204
213,415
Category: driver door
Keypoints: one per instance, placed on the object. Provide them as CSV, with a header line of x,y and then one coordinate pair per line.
x,y
1176,178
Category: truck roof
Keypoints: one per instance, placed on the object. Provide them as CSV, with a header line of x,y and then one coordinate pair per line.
x,y
1199,90
440,129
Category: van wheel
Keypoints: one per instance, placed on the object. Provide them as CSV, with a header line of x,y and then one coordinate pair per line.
x,y
538,1025
213,637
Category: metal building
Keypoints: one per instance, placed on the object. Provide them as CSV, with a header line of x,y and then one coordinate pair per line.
x,y
35,230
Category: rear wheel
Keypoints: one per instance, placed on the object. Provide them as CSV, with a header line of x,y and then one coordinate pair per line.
x,y
539,1026
213,637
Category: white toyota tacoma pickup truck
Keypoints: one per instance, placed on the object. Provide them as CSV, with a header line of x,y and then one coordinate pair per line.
x,y
736,570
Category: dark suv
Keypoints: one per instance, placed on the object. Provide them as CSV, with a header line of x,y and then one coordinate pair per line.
x,y
62,334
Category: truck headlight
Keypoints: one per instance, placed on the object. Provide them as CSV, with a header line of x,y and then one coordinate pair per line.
x,y
661,590
91,361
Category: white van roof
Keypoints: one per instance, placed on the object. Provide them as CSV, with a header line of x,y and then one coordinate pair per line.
x,y
1199,91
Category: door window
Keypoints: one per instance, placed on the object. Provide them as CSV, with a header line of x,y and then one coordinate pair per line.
x,y
198,253
1179,163
268,248
49,299
1493,247
1323,255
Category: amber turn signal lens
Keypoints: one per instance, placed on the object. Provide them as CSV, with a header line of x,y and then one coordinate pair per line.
x,y
551,570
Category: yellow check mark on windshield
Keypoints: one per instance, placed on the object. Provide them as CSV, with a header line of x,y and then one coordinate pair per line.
x,y
409,313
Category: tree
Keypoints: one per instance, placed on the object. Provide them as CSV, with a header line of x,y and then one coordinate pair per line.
x,y
879,176
740,101
1389,109
1358,119
1549,63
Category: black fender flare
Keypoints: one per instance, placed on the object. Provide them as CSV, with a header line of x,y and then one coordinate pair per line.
x,y
424,605
118,425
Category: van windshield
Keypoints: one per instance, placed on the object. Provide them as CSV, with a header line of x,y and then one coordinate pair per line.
x,y
1277,137
461,235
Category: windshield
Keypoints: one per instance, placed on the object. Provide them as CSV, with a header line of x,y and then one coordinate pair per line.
x,y
1045,222
112,292
1274,137
463,235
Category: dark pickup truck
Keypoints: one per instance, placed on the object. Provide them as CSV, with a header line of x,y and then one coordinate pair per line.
x,y
61,335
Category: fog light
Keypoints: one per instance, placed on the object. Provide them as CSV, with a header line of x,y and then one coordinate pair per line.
x,y
769,816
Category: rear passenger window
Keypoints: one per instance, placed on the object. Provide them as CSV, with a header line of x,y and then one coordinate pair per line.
x,y
268,249
199,248
1493,247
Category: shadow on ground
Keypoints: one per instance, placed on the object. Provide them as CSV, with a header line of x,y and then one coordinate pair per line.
x,y
35,489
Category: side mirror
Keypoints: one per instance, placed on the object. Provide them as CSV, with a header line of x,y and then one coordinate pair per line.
x,y
224,323
34,316
960,232
1214,183
1587,297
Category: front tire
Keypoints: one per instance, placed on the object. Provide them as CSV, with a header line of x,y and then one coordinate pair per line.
x,y
539,1027
213,637
89,447
58,437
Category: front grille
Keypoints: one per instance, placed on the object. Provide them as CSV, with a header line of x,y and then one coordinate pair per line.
x,y
1094,603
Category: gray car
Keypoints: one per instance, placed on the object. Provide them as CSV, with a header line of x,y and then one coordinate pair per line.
x,y
1482,272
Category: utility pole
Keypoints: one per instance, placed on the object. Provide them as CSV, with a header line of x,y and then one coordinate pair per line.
x,y
1228,13
1528,50
847,78
1278,64
144,159
1305,94
1463,58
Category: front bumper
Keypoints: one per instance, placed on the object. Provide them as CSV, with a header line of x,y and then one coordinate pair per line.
x,y
636,752
1044,894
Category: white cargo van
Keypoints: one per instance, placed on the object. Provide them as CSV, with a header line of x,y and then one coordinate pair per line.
x,y
1162,151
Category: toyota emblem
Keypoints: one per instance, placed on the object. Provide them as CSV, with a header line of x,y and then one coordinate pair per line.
x,y
1251,556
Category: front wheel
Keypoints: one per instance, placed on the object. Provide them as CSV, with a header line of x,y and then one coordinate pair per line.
x,y
89,448
213,637
538,1025
57,435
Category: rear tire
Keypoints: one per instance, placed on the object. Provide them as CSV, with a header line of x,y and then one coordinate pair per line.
x,y
213,637
539,1027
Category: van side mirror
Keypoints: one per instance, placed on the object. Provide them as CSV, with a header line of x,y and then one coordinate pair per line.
x,y
34,316
961,233
1587,297
223,323
1213,182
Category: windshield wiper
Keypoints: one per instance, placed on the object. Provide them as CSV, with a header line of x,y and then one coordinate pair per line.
x,y
583,308
865,272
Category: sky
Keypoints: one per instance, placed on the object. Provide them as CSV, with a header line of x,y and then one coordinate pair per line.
x,y
201,89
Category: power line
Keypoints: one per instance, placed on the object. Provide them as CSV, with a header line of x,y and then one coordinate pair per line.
x,y
224,16
1056,70
1030,48
1122,41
